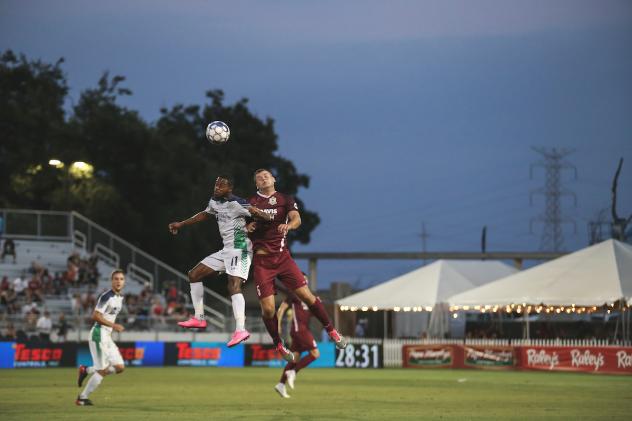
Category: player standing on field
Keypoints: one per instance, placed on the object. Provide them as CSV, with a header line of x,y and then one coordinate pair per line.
x,y
234,259
302,341
106,358
272,260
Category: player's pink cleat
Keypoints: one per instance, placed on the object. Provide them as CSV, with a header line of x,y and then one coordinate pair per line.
x,y
338,339
238,336
193,323
285,353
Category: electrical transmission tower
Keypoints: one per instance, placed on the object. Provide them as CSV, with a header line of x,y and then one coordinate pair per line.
x,y
553,163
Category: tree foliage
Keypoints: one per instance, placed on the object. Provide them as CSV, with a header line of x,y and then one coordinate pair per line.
x,y
146,174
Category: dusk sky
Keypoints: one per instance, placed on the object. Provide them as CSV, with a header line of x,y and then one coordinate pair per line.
x,y
401,112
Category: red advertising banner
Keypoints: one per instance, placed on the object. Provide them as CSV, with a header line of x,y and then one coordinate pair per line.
x,y
429,356
609,359
489,357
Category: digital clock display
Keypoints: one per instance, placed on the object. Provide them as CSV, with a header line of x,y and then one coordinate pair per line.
x,y
359,356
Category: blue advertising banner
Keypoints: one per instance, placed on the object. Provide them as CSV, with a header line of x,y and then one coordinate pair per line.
x,y
204,354
7,354
135,354
266,355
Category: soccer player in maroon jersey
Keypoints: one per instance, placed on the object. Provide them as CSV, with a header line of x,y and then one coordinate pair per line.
x,y
302,341
272,260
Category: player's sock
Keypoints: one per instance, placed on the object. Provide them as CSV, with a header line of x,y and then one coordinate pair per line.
x,y
93,383
304,362
90,370
318,310
288,366
272,326
239,310
197,299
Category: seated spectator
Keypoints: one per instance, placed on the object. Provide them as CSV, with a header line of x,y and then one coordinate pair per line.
x,y
4,284
20,284
44,327
8,249
62,328
34,290
9,298
9,335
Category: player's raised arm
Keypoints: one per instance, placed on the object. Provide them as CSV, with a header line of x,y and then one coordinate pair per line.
x,y
97,316
198,217
294,221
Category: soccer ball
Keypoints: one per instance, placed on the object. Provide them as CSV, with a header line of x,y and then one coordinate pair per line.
x,y
217,132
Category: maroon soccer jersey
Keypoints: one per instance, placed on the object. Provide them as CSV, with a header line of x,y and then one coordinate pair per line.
x,y
300,314
266,236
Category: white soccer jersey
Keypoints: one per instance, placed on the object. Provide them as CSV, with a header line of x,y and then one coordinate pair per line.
x,y
109,304
231,216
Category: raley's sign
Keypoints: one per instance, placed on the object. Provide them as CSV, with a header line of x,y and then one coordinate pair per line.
x,y
607,359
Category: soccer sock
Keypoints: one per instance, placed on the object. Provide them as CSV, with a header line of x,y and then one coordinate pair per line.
x,y
304,362
272,326
318,310
239,310
288,367
93,383
89,370
197,298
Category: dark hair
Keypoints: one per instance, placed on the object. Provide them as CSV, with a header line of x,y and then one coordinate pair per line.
x,y
115,271
228,179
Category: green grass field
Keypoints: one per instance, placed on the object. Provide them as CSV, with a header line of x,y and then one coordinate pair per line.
x,y
216,393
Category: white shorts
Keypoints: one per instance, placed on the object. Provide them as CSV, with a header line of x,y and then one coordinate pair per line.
x,y
105,353
235,262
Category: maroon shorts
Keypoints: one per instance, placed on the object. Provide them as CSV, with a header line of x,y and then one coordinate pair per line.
x,y
303,340
267,267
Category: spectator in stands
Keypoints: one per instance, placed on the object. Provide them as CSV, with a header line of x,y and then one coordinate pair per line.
x,y
4,284
34,290
359,329
9,298
44,327
8,248
30,307
9,334
20,284
59,286
62,328
157,311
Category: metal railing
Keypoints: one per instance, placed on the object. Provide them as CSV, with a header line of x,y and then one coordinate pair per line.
x,y
88,235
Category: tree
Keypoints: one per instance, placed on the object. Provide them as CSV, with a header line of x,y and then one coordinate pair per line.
x,y
145,175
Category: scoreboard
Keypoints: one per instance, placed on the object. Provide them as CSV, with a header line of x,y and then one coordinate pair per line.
x,y
360,356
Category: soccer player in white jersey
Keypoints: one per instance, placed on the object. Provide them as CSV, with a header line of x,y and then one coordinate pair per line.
x,y
234,259
106,358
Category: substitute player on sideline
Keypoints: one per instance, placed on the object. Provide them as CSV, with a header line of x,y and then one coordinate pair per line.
x,y
106,358
234,259
302,341
272,260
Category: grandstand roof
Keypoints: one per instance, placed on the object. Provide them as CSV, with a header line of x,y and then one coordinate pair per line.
x,y
428,285
598,274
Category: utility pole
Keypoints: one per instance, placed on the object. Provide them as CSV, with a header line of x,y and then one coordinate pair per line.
x,y
553,163
424,235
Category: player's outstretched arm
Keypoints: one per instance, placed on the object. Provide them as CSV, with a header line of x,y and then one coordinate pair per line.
x,y
258,213
97,316
198,217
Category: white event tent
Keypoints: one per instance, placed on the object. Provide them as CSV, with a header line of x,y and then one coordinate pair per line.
x,y
424,288
594,276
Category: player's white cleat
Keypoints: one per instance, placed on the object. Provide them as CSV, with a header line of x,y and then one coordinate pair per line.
x,y
339,340
280,389
285,353
291,376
